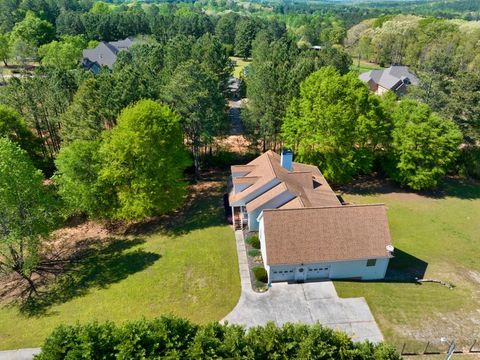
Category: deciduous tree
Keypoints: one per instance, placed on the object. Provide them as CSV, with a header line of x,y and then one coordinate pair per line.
x,y
335,123
26,212
143,159
424,145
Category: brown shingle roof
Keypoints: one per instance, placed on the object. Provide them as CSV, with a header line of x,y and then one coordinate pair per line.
x,y
311,235
299,181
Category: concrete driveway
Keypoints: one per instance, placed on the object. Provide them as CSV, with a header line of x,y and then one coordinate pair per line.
x,y
305,303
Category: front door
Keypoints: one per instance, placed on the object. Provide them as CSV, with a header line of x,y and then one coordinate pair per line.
x,y
300,274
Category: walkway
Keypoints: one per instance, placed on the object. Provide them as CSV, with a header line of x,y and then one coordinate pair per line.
x,y
20,354
306,303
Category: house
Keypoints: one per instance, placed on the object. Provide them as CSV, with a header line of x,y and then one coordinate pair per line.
x,y
331,242
105,54
395,78
305,231
272,181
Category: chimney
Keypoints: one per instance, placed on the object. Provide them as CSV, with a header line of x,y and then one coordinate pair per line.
x,y
287,159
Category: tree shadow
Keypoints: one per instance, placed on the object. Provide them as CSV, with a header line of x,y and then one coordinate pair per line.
x,y
450,187
203,208
97,266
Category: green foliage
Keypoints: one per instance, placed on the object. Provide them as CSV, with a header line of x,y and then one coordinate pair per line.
x,y
423,145
13,126
77,176
274,76
143,159
195,93
26,211
4,48
65,54
254,252
260,274
335,123
254,241
89,113
469,162
30,33
175,338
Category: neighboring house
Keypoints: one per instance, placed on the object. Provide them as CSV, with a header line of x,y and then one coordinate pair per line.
x,y
105,54
395,78
305,232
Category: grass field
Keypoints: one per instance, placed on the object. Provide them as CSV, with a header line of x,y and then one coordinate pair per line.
x,y
241,63
186,266
439,233
363,66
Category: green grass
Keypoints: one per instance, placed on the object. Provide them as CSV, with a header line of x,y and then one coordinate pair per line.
x,y
241,64
442,231
186,267
364,66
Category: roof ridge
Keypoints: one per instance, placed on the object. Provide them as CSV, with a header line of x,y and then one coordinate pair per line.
x,y
328,207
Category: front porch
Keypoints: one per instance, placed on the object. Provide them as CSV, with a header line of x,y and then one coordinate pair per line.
x,y
239,218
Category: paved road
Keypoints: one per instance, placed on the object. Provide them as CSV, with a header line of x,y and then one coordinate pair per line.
x,y
307,303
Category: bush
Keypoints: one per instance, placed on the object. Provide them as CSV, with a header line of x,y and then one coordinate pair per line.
x,y
254,253
469,162
254,241
175,338
260,274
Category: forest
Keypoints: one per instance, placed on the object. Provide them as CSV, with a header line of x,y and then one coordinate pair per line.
x,y
122,145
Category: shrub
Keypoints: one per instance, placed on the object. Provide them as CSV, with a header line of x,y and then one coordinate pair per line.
x,y
254,253
175,338
254,241
260,274
469,162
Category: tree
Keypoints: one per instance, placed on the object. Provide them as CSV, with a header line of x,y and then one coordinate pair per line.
x,y
196,94
32,30
89,113
423,145
245,32
143,159
65,54
335,123
77,176
13,126
26,212
4,48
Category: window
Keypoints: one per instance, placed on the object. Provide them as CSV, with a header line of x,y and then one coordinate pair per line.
x,y
371,262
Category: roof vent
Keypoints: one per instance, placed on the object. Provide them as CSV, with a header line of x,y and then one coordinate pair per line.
x,y
390,248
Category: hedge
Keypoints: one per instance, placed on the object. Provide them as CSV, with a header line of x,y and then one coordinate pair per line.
x,y
174,338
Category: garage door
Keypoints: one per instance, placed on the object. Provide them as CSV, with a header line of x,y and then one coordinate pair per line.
x,y
318,272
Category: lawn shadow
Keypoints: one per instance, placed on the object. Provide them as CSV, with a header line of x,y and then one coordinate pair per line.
x,y
404,267
450,187
203,208
98,266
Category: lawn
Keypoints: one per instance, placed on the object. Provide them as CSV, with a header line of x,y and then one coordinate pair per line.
x,y
437,232
241,64
186,265
363,66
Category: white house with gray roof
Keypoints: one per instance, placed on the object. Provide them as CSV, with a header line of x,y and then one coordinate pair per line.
x,y
395,78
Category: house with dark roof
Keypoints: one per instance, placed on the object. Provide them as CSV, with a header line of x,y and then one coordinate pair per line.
x,y
305,232
105,54
395,78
